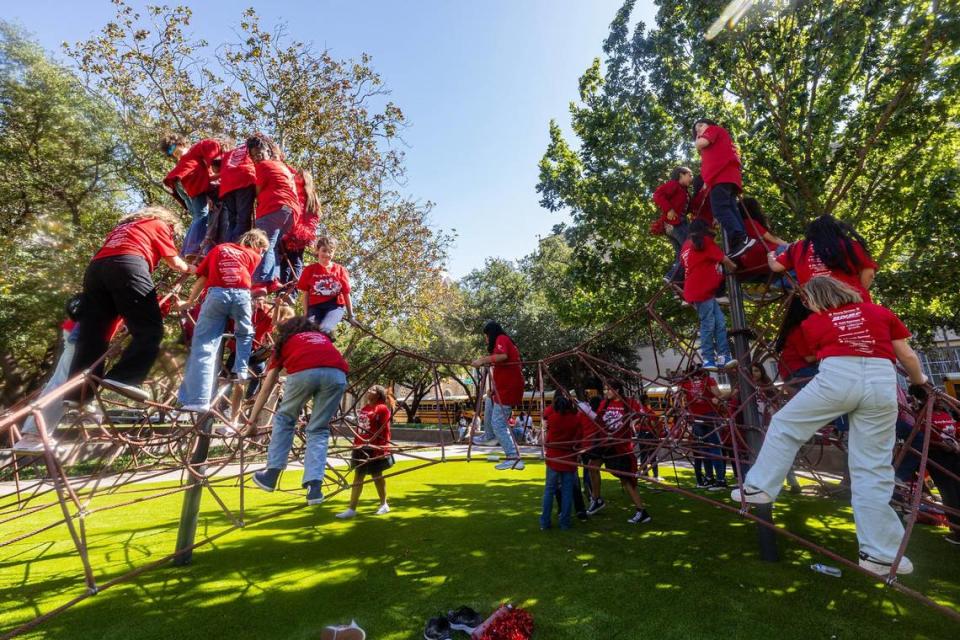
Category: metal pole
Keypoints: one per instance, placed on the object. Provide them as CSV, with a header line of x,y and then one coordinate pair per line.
x,y
190,512
748,407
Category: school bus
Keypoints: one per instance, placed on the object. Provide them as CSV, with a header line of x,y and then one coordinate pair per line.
x,y
951,384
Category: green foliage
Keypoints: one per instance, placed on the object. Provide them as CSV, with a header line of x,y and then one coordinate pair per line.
x,y
842,108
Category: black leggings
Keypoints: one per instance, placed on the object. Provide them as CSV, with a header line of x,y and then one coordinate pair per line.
x,y
119,287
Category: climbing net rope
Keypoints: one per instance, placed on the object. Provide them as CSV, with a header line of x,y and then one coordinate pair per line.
x,y
115,452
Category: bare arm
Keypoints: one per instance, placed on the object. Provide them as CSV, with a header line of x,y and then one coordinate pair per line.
x,y
769,237
179,264
491,359
195,292
908,358
729,264
349,306
775,266
266,386
702,143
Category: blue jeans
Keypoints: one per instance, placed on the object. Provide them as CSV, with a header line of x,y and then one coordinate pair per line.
x,y
199,209
710,462
677,237
326,386
564,482
201,372
723,201
275,225
499,415
54,411
713,330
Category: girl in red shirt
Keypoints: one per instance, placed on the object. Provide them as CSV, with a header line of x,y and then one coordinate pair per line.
x,y
327,285
673,198
795,360
753,263
315,371
118,283
304,232
507,387
238,190
189,182
371,448
702,260
562,435
720,168
277,203
829,248
857,344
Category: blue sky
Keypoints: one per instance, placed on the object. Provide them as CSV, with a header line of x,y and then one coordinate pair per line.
x,y
477,80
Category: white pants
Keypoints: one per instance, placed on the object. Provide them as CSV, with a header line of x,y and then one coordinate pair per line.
x,y
53,411
330,320
866,390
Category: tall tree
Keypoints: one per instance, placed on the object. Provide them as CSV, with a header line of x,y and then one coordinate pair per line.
x,y
842,108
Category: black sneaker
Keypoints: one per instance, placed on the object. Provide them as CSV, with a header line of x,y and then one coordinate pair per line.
x,y
739,248
437,629
718,485
595,506
582,515
464,619
705,484
640,517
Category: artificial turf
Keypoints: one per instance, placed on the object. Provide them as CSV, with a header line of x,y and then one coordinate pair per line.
x,y
464,533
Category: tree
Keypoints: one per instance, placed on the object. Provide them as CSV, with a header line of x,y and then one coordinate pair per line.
x,y
842,108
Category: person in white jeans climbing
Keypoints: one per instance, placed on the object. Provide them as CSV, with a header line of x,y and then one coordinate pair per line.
x,y
857,344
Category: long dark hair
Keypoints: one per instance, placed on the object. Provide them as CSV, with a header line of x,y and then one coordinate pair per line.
x,y
493,330
797,312
832,240
751,209
708,121
562,404
678,172
290,328
699,229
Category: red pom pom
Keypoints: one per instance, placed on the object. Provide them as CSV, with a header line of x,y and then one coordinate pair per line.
x,y
517,624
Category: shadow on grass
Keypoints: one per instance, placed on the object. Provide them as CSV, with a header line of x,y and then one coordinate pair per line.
x,y
467,536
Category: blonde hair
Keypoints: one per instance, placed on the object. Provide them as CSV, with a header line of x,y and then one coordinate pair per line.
x,y
255,239
309,190
155,212
824,292
327,242
171,139
283,313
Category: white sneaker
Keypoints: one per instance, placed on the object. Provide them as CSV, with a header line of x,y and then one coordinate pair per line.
x,y
30,443
346,515
384,509
751,495
510,464
226,430
129,390
198,408
882,569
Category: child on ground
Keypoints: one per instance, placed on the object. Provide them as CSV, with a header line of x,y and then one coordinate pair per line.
x,y
315,370
327,285
702,260
702,395
226,273
371,449
563,432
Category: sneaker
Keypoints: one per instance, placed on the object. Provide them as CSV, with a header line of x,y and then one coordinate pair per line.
x,y
640,517
595,506
196,408
30,443
723,300
383,510
717,485
510,464
344,632
238,377
314,492
710,365
953,537
705,484
881,568
751,495
130,390
464,619
346,515
266,479
739,248
582,516
226,430
727,363
437,629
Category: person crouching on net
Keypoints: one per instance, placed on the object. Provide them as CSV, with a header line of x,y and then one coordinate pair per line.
x,y
857,344
317,370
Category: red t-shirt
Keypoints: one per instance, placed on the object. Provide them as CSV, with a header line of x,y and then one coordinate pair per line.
x,y
793,356
719,161
616,422
942,424
148,238
230,266
702,271
309,350
562,440
507,375
193,168
276,188
700,207
671,195
865,329
237,170
373,428
802,257
698,391
325,283
68,325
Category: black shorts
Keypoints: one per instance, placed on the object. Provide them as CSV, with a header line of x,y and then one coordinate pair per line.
x,y
612,459
370,460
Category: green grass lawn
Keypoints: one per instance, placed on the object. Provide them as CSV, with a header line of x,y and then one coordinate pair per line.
x,y
463,533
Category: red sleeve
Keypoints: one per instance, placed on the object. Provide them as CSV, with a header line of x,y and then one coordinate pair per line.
x,y
809,331
898,330
713,251
203,269
501,345
163,242
662,199
801,345
711,133
303,284
787,259
865,261
344,280
208,150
